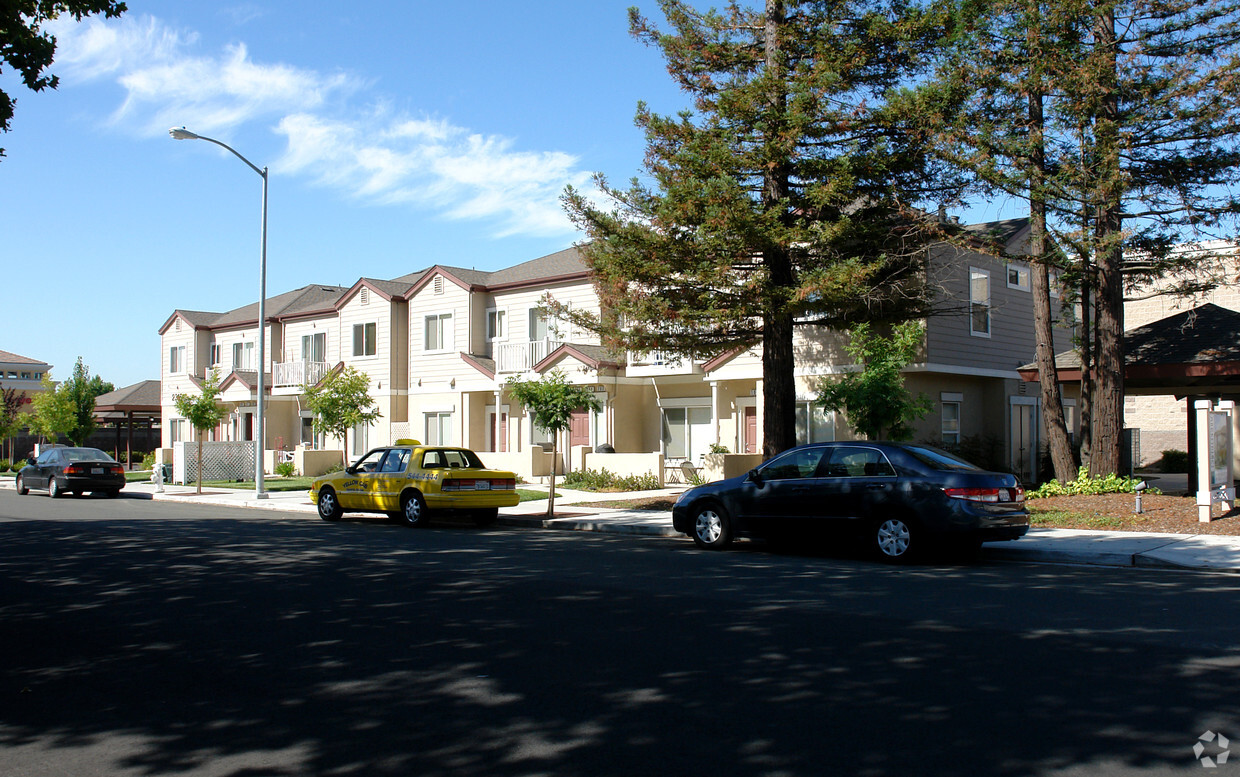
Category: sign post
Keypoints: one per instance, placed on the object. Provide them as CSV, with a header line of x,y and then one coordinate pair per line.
x,y
1215,475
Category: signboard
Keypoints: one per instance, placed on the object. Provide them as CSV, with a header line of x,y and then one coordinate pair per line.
x,y
1215,478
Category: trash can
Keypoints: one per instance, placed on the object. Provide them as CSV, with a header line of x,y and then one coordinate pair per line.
x,y
167,472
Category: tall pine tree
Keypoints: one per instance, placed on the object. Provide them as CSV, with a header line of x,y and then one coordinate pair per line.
x,y
782,200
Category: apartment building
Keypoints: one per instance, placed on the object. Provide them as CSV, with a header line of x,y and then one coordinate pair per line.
x,y
438,346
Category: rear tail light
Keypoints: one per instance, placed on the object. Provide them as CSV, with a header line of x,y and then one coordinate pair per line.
x,y
993,495
74,469
82,469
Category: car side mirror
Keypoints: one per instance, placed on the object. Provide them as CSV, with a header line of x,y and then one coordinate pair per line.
x,y
755,477
351,470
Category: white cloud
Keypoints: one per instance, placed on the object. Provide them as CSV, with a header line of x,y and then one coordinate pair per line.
x,y
374,155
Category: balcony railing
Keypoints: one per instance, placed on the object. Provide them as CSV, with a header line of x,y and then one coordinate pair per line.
x,y
298,373
519,357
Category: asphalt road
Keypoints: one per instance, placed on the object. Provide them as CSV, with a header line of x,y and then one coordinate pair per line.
x,y
142,638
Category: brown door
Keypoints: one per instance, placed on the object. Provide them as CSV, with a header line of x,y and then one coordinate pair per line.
x,y
503,432
750,424
579,427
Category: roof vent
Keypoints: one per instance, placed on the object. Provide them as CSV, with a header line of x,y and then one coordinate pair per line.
x,y
438,284
365,296
178,324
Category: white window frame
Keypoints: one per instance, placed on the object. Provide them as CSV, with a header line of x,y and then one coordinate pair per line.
x,y
176,430
955,400
372,344
1024,277
309,340
808,405
176,360
246,351
447,337
497,323
685,405
980,272
214,352
443,421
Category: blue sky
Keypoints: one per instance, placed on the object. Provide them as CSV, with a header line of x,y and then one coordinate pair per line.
x,y
398,135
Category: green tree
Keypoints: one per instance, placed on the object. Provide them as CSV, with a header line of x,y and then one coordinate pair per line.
x,y
551,401
201,410
29,50
1140,149
52,412
875,399
340,402
782,201
81,390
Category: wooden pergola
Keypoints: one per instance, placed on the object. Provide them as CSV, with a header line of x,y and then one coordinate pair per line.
x,y
136,403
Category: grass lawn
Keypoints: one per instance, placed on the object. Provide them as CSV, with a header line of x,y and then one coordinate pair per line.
x,y
1051,519
269,484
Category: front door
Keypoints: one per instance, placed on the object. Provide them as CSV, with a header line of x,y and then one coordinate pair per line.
x,y
749,423
1024,439
579,427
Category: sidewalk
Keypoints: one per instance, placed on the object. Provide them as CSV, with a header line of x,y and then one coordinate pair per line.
x,y
1100,548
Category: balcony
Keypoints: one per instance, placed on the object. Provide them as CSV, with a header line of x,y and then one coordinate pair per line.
x,y
659,363
298,374
520,357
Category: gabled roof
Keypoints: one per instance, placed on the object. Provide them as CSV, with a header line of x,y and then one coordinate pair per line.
x,y
144,395
593,356
12,358
1003,231
482,364
307,300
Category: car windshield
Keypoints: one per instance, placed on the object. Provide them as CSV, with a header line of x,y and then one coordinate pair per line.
x,y
933,457
85,454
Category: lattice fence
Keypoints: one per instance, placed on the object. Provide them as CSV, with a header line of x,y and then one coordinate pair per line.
x,y
220,461
402,430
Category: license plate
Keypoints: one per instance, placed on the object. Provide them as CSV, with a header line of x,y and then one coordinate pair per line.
x,y
482,485
96,470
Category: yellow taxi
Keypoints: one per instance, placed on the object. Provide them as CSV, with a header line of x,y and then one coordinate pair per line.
x,y
407,480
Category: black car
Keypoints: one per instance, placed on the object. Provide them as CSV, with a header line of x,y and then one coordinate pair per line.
x,y
897,495
76,470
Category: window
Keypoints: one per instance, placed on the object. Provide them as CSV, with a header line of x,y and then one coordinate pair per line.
x,y
25,376
814,423
496,320
794,465
1018,277
438,334
361,433
176,430
979,302
951,422
540,325
859,463
687,432
243,356
215,354
314,347
364,336
176,359
438,428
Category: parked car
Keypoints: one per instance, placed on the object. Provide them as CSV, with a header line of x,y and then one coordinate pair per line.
x,y
408,480
76,470
898,496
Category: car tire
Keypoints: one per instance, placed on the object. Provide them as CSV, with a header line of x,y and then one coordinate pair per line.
x,y
53,488
328,506
21,486
896,539
486,517
413,510
712,528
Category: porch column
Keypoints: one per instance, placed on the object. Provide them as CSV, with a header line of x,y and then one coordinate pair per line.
x,y
714,408
128,439
501,429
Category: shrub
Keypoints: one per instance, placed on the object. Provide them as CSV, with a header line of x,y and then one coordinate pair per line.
x,y
603,480
717,448
4,465
148,460
1173,461
334,468
285,469
1084,484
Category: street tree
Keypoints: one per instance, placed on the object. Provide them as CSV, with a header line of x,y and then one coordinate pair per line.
x,y
29,49
782,200
340,402
1140,150
551,401
875,400
52,412
81,389
202,410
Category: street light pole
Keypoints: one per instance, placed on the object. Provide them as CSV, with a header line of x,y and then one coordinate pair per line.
x,y
260,444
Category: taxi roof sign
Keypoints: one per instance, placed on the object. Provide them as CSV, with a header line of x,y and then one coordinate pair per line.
x,y
407,442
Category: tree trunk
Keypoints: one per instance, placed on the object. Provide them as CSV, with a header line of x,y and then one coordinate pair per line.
x,y
199,462
1108,405
1043,329
555,456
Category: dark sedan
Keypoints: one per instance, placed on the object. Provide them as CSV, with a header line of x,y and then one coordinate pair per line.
x,y
74,470
898,495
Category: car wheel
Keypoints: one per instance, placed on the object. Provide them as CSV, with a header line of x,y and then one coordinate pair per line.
x,y
329,507
53,489
486,517
896,539
712,529
413,509
21,486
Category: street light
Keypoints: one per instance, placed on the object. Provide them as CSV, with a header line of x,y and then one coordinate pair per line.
x,y
180,133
